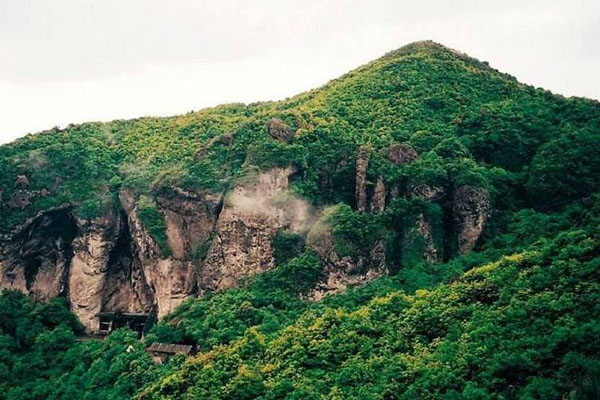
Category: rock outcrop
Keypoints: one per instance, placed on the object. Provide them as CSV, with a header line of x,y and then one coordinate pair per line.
x,y
22,195
427,193
280,130
92,250
471,206
341,272
401,153
379,196
189,219
360,191
112,263
252,214
422,227
38,257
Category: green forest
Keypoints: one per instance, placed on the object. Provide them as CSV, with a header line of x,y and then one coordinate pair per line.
x,y
518,317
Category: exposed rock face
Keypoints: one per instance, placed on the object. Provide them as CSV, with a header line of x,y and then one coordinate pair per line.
x,y
402,153
171,280
38,258
423,229
110,263
226,139
427,192
22,181
251,216
471,207
22,197
341,272
113,264
105,273
190,219
362,163
91,253
280,130
379,196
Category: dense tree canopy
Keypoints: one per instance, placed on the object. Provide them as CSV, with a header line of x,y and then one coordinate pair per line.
x,y
517,318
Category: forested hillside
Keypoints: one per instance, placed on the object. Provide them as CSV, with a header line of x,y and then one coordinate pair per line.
x,y
430,231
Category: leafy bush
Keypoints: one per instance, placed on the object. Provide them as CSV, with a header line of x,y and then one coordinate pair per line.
x,y
154,222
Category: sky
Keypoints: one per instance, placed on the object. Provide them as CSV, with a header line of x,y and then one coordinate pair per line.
x,y
71,61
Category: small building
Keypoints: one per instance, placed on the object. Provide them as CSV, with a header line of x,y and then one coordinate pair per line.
x,y
161,351
108,321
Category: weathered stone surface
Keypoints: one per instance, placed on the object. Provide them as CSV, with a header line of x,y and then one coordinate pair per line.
x,y
280,130
190,219
401,153
360,191
110,263
170,280
471,205
341,272
11,276
21,199
427,192
89,266
226,139
423,229
22,181
251,216
38,258
379,196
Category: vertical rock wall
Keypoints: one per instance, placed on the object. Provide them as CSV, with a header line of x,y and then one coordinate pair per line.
x,y
251,216
471,206
362,163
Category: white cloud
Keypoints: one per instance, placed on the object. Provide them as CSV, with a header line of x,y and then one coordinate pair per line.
x,y
66,61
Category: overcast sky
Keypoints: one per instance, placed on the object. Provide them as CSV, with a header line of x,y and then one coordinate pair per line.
x,y
64,61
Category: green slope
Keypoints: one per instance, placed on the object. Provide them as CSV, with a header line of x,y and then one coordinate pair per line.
x,y
523,327
422,94
521,323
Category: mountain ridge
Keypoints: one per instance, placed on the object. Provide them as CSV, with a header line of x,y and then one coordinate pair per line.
x,y
388,209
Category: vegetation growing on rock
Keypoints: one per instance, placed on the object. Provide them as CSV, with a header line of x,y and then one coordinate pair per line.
x,y
478,195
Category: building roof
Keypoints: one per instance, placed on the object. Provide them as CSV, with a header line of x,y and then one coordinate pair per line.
x,y
170,348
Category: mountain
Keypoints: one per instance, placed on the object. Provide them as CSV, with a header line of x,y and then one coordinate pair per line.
x,y
421,227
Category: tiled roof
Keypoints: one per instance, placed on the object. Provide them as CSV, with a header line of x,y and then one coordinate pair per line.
x,y
170,348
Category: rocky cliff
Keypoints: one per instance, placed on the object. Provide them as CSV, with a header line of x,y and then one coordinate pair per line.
x,y
215,241
252,214
112,263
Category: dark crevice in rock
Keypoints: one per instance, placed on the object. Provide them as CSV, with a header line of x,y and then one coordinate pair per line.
x,y
31,266
125,286
121,256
